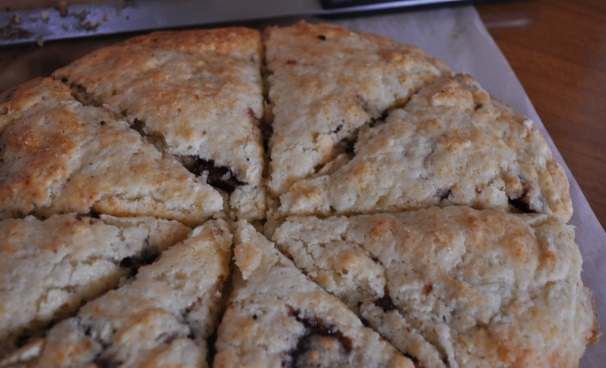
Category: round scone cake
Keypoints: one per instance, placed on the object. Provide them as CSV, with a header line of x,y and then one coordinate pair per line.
x,y
305,196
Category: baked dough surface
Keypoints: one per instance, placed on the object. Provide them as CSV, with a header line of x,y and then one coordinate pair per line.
x,y
451,144
392,183
325,82
61,156
49,268
162,318
196,94
276,317
454,286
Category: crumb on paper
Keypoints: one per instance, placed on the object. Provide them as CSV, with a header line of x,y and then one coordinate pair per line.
x,y
16,18
44,15
40,41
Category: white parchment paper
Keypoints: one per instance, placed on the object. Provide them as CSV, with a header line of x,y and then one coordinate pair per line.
x,y
459,37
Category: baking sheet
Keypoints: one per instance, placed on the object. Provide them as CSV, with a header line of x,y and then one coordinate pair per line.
x,y
459,37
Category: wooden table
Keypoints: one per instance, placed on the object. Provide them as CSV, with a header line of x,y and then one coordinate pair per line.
x,y
558,50
556,47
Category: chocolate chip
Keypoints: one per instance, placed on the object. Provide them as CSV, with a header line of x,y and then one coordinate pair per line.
x,y
347,145
138,126
322,37
530,201
385,303
134,263
314,328
217,176
338,128
102,122
126,262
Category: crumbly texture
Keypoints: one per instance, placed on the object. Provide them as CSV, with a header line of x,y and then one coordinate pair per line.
x,y
452,144
59,156
196,94
325,82
276,317
49,268
315,120
455,287
161,319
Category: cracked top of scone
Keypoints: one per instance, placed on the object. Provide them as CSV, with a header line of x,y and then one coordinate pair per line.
x,y
162,318
452,144
196,94
57,155
454,286
325,82
276,317
48,268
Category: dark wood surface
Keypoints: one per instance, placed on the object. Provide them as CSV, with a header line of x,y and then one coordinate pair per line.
x,y
557,48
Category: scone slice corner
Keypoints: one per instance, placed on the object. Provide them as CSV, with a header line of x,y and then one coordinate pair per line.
x,y
326,82
454,286
50,267
196,94
163,318
276,317
60,156
451,144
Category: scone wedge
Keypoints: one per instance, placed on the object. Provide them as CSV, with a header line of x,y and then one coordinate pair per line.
x,y
59,156
276,317
162,318
451,144
325,82
196,95
49,268
454,286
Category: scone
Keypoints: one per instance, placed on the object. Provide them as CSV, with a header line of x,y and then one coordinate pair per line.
x,y
162,318
325,82
195,94
454,286
452,144
276,317
58,156
49,268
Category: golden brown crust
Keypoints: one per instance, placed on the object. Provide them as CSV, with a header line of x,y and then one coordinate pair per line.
x,y
276,317
60,156
455,286
451,144
235,41
117,131
162,318
49,268
195,94
325,82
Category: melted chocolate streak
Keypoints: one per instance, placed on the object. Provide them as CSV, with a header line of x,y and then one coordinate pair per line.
x,y
218,176
314,327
